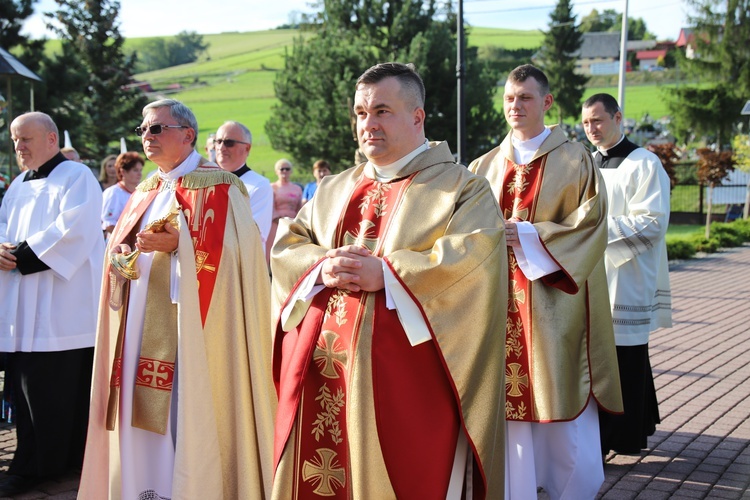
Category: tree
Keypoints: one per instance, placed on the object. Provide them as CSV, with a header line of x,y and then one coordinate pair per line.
x,y
722,29
703,111
558,58
158,53
12,15
316,85
713,167
611,21
668,156
93,46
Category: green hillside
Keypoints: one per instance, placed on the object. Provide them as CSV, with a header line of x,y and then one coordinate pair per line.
x,y
235,80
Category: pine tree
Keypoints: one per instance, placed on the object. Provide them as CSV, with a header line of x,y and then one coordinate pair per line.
x,y
12,15
316,87
558,58
93,59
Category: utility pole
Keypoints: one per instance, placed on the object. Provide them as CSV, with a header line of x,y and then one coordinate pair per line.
x,y
461,77
623,62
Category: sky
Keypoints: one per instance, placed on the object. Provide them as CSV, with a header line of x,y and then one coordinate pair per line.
x,y
140,18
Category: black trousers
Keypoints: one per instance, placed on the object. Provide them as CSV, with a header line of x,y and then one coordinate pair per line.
x,y
628,433
50,392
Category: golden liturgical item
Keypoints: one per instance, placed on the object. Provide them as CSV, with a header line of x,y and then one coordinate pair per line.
x,y
124,263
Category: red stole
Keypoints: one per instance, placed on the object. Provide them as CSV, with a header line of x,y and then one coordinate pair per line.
x,y
415,407
205,210
518,200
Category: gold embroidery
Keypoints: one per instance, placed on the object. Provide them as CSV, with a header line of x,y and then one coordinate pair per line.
x,y
336,303
200,262
326,355
325,472
515,380
516,296
364,236
378,194
511,413
331,405
513,338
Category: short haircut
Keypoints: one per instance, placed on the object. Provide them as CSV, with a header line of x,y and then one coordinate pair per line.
x,y
246,134
526,71
321,164
181,113
609,103
127,161
281,163
70,150
406,74
103,167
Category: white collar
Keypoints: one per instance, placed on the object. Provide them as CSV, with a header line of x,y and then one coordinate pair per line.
x,y
523,151
188,165
387,172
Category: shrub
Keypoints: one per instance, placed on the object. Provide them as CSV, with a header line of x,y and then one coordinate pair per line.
x,y
702,244
680,249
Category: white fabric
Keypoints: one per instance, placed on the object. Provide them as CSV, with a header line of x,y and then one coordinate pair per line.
x,y
261,201
562,457
58,216
384,173
636,255
523,151
114,199
147,458
531,255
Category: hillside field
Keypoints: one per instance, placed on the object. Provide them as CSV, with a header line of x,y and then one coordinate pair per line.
x,y
234,81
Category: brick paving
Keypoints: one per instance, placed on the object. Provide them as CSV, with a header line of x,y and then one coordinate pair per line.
x,y
702,371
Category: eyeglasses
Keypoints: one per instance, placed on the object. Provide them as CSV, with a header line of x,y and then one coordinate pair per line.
x,y
228,142
285,169
156,129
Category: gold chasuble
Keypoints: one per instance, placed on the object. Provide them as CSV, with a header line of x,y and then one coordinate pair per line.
x,y
363,413
559,338
220,357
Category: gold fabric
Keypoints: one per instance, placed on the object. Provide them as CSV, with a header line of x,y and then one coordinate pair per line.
x,y
447,246
226,399
151,405
573,352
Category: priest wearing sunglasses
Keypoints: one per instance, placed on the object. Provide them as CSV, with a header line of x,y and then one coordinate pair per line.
x,y
182,399
232,144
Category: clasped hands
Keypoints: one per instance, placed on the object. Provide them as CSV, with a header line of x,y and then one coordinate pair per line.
x,y
146,241
352,268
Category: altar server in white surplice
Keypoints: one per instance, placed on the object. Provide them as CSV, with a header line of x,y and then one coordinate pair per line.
x,y
51,251
636,263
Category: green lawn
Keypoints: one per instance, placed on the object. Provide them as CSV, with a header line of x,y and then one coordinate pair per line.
x,y
680,231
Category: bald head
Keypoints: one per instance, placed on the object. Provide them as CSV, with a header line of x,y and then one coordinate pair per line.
x,y
35,139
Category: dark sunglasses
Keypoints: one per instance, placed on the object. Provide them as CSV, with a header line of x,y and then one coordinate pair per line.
x,y
285,169
155,129
228,142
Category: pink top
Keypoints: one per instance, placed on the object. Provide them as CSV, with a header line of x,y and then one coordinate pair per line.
x,y
287,199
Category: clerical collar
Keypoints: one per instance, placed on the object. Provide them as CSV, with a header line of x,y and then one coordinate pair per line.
x,y
604,151
523,151
387,172
241,171
615,155
188,165
44,171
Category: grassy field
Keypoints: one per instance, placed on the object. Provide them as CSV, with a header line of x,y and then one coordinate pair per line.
x,y
234,81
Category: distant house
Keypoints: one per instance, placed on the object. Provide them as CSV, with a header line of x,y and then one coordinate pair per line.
x,y
648,59
598,51
686,41
142,86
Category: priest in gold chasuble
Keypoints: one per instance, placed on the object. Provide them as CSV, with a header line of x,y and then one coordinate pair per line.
x,y
560,355
182,400
389,348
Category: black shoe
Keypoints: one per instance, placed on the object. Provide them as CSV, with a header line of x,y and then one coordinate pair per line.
x,y
15,485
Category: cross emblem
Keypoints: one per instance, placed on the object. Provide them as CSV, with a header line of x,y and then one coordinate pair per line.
x,y
361,238
155,374
326,356
324,472
514,380
517,296
518,212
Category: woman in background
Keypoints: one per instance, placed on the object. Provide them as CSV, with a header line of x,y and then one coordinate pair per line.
x,y
128,168
287,199
107,172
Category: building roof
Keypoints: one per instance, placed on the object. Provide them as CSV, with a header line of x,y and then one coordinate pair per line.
x,y
600,44
9,65
650,54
